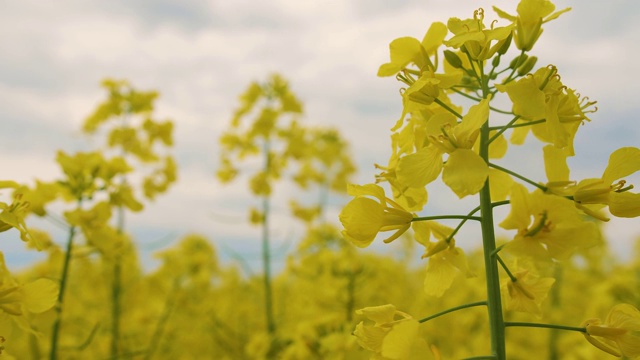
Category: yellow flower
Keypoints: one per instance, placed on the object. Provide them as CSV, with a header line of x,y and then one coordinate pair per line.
x,y
391,336
527,292
18,299
622,162
12,216
446,261
408,50
531,15
591,194
409,197
364,217
542,96
619,334
471,36
465,172
548,226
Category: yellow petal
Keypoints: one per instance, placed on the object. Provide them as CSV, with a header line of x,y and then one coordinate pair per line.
x,y
500,184
382,314
367,190
397,344
439,276
624,204
555,130
362,219
434,37
40,295
528,100
465,172
622,162
555,163
472,121
403,50
519,216
420,168
498,148
519,134
370,337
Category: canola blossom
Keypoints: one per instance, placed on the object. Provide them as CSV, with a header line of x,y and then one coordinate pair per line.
x,y
619,334
364,217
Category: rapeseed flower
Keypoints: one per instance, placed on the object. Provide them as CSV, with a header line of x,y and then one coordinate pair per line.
x,y
363,217
465,172
548,226
619,334
528,23
391,336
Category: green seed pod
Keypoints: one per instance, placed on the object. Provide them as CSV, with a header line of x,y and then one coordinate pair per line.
x,y
496,61
505,45
527,66
453,59
518,60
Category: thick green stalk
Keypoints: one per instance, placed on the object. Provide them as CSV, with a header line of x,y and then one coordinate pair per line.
x,y
53,354
494,303
266,252
169,305
116,289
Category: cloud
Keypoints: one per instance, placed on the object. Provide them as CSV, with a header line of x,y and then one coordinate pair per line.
x,y
200,55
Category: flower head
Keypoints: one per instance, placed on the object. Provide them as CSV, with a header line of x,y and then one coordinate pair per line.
x,y
548,226
592,194
527,292
392,334
619,334
531,15
363,217
471,36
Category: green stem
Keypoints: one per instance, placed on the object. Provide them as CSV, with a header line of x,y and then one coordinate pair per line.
x,y
162,322
541,187
554,334
351,296
513,71
546,326
53,354
506,269
455,231
462,93
446,107
446,217
503,129
116,289
266,252
465,306
494,302
513,126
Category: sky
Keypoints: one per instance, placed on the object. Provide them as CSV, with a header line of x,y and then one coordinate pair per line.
x,y
200,55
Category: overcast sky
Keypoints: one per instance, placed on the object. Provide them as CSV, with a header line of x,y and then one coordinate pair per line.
x,y
201,54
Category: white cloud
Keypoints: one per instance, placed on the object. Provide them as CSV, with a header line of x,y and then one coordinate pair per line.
x,y
201,55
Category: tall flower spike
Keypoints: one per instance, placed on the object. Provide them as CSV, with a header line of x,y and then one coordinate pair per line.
x,y
363,217
620,333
